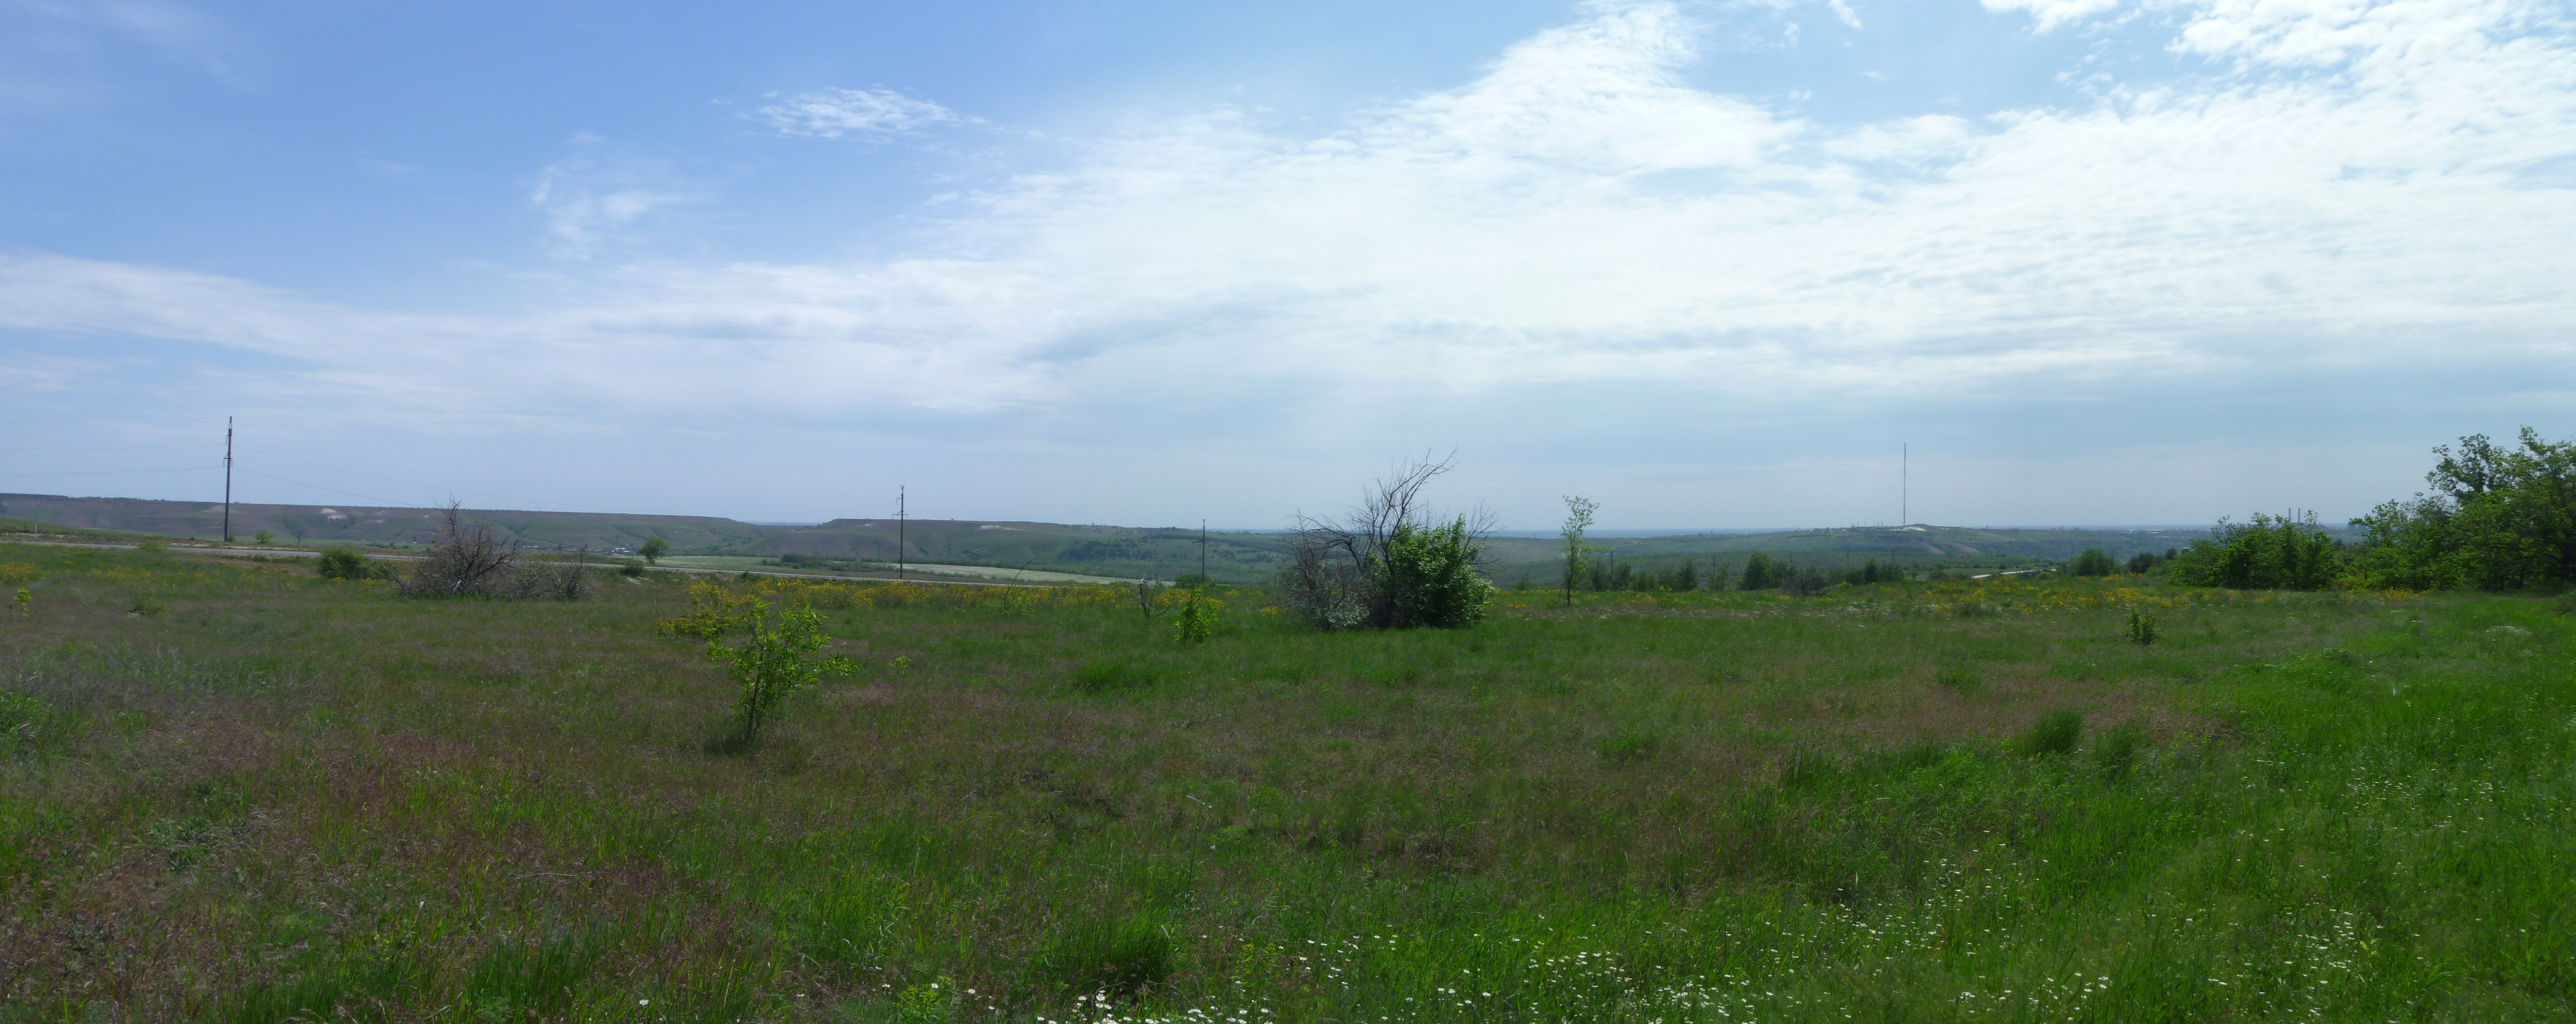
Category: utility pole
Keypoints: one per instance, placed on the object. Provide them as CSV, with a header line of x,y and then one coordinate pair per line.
x,y
228,479
898,530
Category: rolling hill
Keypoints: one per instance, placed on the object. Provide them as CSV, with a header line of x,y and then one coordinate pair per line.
x,y
1121,551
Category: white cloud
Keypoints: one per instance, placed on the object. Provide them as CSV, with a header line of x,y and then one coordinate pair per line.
x,y
2049,14
599,191
1578,215
832,113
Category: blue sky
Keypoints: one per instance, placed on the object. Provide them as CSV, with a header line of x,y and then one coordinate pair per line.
x,y
2096,261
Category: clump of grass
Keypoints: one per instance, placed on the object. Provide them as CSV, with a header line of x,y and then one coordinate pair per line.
x,y
145,605
1127,956
1809,770
2057,732
1959,681
1627,747
520,980
2118,748
27,720
1115,674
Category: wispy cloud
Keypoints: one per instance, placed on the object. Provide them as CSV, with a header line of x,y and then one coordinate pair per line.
x,y
598,191
2339,186
833,113
2049,14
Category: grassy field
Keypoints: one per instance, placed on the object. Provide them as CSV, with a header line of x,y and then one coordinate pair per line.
x,y
235,792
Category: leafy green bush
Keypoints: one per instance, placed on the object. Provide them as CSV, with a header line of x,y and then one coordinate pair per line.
x,y
1872,572
1759,573
2499,518
2142,628
769,663
348,563
2094,562
2266,553
1197,620
2057,732
1431,577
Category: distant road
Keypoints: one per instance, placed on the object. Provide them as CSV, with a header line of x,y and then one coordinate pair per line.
x,y
302,553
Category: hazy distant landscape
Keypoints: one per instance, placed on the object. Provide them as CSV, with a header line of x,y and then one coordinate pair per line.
x,y
1152,512
1082,550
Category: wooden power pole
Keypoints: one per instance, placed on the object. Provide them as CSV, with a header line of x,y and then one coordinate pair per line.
x,y
228,479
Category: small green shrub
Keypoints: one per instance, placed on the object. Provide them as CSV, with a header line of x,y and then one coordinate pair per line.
x,y
24,599
930,1002
2057,732
348,563
264,537
2142,628
145,605
2094,562
770,662
1197,621
1125,956
1959,681
153,547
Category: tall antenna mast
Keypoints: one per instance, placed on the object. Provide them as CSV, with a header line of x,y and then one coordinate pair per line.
x,y
1905,484
898,531
228,479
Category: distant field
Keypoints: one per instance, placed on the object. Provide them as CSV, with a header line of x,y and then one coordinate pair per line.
x,y
755,563
231,791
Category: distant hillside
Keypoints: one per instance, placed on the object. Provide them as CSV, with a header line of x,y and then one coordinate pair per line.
x,y
1925,546
373,525
1096,550
1121,551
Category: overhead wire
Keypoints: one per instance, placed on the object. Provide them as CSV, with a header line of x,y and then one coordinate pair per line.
x,y
319,487
119,448
435,487
122,472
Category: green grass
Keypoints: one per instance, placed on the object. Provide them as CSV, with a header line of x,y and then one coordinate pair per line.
x,y
288,798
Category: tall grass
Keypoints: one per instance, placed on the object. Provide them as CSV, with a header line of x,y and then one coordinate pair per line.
x,y
288,796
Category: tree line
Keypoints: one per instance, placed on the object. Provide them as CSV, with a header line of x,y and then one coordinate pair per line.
x,y
2496,517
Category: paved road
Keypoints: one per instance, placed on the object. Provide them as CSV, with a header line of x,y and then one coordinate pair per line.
x,y
300,553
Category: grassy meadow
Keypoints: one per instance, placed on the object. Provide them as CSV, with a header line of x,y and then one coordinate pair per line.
x,y
232,791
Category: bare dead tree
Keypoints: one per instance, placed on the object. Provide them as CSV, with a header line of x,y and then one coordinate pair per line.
x,y
465,559
1336,574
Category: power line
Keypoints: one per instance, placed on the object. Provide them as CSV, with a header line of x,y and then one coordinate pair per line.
x,y
435,487
319,487
123,472
116,448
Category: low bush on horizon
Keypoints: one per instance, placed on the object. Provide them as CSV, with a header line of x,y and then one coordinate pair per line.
x,y
286,798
